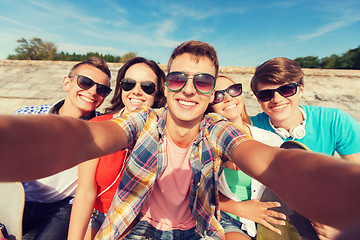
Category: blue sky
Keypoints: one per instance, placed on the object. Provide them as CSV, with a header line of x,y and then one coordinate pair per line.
x,y
244,33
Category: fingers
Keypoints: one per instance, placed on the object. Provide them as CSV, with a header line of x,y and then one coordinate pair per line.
x,y
275,214
271,227
273,217
275,221
271,204
325,232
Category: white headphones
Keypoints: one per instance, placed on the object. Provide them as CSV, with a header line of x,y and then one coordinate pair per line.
x,y
296,132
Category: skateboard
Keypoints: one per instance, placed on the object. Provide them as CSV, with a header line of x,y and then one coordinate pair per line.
x,y
12,200
297,227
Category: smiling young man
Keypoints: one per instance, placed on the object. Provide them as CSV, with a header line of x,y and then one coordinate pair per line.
x,y
170,183
49,200
278,85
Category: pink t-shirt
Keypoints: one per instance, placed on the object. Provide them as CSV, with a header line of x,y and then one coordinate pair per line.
x,y
168,206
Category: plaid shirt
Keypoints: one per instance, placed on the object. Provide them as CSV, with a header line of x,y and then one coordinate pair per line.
x,y
145,130
49,109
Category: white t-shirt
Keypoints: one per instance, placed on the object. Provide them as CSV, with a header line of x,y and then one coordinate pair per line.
x,y
53,188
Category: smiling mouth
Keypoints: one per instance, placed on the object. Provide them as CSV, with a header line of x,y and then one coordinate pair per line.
x,y
133,100
187,103
86,99
279,107
230,107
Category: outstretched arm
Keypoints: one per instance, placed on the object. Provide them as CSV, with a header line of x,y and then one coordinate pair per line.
x,y
319,187
56,143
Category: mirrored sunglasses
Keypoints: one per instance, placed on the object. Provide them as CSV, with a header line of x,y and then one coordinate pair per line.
x,y
148,87
203,82
234,91
286,90
87,83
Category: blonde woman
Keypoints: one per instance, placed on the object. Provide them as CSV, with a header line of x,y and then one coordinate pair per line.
x,y
239,219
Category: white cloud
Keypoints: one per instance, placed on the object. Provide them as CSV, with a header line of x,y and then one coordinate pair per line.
x,y
342,22
115,6
18,23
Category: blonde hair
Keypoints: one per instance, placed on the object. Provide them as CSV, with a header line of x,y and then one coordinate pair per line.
x,y
244,116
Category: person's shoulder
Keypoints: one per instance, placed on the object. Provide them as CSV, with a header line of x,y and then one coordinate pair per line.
x,y
213,117
323,111
260,120
258,116
41,109
143,113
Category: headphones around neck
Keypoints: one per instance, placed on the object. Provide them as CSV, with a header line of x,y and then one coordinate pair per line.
x,y
296,132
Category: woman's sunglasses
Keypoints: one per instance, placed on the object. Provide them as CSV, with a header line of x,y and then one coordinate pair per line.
x,y
148,87
286,90
203,82
234,91
87,83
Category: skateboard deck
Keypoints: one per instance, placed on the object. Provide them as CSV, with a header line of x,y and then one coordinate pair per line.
x,y
12,200
297,227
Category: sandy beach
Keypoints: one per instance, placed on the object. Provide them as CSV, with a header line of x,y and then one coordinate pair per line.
x,y
24,83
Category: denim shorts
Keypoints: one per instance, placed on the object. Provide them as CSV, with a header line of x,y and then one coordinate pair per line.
x,y
144,230
230,224
97,218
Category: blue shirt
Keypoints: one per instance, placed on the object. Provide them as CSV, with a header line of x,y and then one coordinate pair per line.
x,y
327,130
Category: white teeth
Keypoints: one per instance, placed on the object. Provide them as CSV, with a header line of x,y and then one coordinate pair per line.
x,y
136,100
186,103
230,107
86,99
279,107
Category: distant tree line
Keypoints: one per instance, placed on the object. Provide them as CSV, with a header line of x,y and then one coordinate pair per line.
x,y
37,49
348,60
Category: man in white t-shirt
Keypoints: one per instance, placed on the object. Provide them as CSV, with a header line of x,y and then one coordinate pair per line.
x,y
48,200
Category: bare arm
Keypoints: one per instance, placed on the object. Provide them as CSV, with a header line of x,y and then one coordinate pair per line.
x,y
294,175
57,143
352,157
84,201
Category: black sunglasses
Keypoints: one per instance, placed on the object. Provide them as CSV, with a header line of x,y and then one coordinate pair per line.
x,y
148,87
286,90
87,83
203,82
234,91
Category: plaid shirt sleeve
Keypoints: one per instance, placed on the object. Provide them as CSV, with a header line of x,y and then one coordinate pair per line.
x,y
139,174
220,139
133,123
226,137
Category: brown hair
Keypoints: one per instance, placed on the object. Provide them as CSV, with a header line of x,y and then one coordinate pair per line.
x,y
278,70
244,116
198,49
160,100
96,62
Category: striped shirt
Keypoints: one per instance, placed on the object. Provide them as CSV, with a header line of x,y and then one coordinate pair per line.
x,y
145,130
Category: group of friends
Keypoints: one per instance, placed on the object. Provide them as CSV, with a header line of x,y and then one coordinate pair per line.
x,y
177,156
